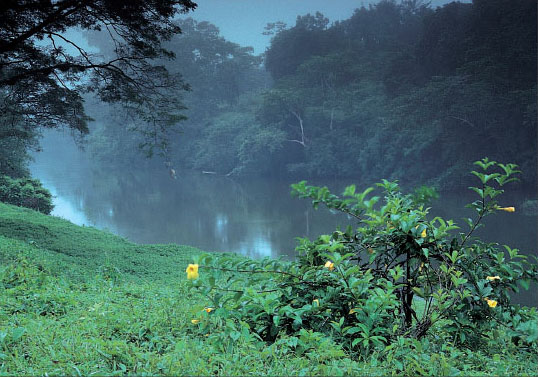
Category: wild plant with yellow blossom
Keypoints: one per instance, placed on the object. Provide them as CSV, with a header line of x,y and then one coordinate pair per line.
x,y
399,273
192,271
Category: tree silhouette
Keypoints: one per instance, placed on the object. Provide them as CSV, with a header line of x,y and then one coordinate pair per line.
x,y
44,70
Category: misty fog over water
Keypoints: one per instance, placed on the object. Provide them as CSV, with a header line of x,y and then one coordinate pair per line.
x,y
254,217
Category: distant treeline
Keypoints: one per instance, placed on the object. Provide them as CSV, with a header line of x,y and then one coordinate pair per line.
x,y
399,90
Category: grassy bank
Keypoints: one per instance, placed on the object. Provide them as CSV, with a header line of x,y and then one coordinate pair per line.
x,y
79,301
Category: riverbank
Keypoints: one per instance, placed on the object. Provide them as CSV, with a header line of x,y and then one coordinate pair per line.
x,y
80,301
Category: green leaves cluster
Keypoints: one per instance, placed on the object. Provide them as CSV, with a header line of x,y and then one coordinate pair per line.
x,y
399,273
25,192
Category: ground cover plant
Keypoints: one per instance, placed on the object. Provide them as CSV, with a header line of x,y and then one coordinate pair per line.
x,y
79,301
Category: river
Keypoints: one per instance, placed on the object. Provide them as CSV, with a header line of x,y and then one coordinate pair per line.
x,y
255,217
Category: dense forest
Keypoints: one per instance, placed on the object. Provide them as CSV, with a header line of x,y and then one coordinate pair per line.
x,y
398,90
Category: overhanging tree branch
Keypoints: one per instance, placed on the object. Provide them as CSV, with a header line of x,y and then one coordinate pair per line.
x,y
54,17
41,84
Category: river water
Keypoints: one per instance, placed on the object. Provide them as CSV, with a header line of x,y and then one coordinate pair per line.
x,y
255,217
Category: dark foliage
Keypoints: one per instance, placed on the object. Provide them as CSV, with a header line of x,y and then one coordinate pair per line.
x,y
25,192
398,90
44,68
406,91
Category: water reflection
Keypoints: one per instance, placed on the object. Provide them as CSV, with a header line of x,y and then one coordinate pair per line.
x,y
67,208
214,213
255,217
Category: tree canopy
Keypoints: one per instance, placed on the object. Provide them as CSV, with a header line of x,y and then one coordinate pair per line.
x,y
398,90
45,70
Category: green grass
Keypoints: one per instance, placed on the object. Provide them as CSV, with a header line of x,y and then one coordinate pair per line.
x,y
78,251
79,301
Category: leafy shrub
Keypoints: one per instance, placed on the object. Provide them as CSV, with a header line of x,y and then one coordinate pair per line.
x,y
398,275
25,192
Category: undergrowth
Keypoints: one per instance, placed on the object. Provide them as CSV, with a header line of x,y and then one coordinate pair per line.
x,y
79,301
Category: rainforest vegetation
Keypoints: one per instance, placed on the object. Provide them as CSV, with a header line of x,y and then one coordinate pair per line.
x,y
399,93
398,90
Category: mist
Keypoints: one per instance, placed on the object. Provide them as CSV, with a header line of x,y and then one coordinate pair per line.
x,y
257,123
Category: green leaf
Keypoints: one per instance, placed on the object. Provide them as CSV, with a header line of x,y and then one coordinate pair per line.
x,y
418,291
352,330
480,176
361,196
211,281
349,191
469,221
485,163
487,177
525,283
426,252
17,333
480,192
509,169
235,335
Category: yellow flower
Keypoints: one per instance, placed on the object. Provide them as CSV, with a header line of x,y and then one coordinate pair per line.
x,y
208,310
493,278
195,321
420,267
423,234
329,265
491,303
192,271
316,301
507,209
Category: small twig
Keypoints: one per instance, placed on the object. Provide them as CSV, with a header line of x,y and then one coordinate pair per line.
x,y
480,216
462,120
